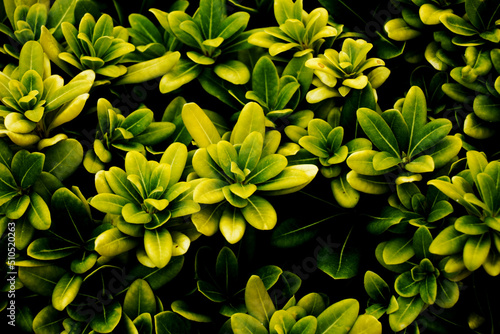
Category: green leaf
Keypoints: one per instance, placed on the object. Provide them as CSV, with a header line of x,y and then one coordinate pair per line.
x,y
281,322
251,119
182,73
305,325
366,324
149,69
259,304
422,164
430,134
189,311
486,108
209,191
112,242
138,121
48,320
339,317
70,91
260,213
31,58
139,299
243,323
199,125
445,150
471,225
449,241
17,207
226,267
265,81
457,25
63,158
168,322
476,250
339,263
398,250
175,155
109,203
66,290
27,167
41,280
447,293
414,113
378,131
376,288
158,277
155,133
385,160
367,184
409,309
234,71
232,224
268,167
38,212
313,303
60,11
289,233
406,286
211,13
49,248
108,319
158,245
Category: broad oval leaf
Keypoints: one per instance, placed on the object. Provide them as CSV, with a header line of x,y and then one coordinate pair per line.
x,y
63,158
66,290
260,213
243,323
257,300
106,321
158,245
199,125
139,299
112,242
339,317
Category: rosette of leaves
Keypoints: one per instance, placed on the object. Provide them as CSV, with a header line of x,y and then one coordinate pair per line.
x,y
326,143
28,18
336,73
219,279
26,179
18,199
298,30
380,300
409,207
117,133
151,40
67,250
279,95
309,314
144,200
121,297
477,26
95,45
421,283
211,38
478,84
408,145
472,241
420,20
35,102
235,173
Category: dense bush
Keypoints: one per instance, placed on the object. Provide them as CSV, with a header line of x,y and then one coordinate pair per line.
x,y
345,151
